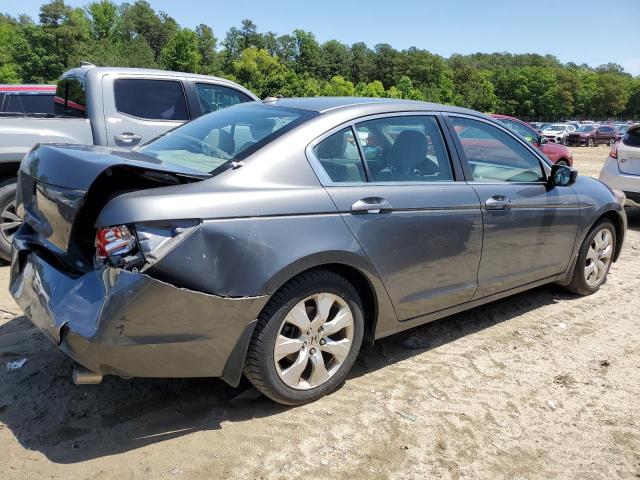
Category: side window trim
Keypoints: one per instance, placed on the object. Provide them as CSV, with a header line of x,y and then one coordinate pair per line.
x,y
544,163
180,81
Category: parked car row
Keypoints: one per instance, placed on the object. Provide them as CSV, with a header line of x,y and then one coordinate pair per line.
x,y
587,132
555,152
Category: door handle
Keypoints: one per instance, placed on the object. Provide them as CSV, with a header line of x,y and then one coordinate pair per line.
x,y
498,202
127,139
371,205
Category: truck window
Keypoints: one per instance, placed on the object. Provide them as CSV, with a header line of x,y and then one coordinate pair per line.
x,y
214,97
70,99
151,99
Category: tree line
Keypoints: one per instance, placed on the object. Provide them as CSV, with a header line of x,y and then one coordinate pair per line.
x,y
529,86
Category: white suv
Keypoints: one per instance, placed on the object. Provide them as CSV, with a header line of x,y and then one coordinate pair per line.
x,y
621,170
557,132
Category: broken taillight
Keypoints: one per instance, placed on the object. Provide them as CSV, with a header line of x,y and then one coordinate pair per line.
x,y
114,241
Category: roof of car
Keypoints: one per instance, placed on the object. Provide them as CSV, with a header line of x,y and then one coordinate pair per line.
x,y
326,104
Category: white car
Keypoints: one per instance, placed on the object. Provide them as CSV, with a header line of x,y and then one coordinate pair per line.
x,y
621,170
557,132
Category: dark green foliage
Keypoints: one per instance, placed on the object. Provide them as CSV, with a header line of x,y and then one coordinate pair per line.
x,y
135,35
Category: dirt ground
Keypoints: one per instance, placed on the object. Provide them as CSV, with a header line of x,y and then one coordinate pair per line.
x,y
540,385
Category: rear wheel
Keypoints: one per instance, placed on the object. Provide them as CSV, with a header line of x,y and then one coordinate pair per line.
x,y
594,259
307,338
9,219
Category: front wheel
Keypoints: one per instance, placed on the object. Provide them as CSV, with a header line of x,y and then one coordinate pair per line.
x,y
307,338
594,259
590,142
562,162
612,142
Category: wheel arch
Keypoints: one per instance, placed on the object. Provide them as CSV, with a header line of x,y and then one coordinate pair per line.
x,y
619,225
353,269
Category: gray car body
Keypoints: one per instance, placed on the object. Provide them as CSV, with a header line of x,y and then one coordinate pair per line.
x,y
436,252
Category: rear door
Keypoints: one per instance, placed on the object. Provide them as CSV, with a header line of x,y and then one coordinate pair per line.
x,y
138,108
407,206
529,227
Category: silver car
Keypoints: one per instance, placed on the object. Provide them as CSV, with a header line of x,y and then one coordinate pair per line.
x,y
273,238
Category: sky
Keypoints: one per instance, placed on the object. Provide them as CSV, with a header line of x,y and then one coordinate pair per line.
x,y
584,31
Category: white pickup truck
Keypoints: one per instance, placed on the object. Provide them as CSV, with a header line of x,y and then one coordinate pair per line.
x,y
113,107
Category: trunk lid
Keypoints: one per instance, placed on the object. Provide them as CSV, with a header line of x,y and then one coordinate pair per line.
x,y
62,188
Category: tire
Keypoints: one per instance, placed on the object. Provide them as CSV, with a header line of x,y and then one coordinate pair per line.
x,y
296,302
590,142
612,142
9,220
562,161
581,282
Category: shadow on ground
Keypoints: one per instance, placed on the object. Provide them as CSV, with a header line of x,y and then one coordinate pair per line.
x,y
70,424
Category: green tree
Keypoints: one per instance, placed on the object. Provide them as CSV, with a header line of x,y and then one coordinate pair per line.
x,y
338,87
141,20
207,43
105,21
181,52
262,74
335,60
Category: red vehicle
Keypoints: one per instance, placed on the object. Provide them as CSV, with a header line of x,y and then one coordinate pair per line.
x,y
553,151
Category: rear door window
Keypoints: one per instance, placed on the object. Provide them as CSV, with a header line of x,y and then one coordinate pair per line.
x,y
404,149
151,99
212,97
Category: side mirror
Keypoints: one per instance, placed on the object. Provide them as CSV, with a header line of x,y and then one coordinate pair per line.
x,y
543,140
562,176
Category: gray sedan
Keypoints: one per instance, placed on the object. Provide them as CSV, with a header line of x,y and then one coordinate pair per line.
x,y
272,238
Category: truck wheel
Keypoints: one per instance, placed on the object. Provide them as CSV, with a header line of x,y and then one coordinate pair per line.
x,y
307,338
9,220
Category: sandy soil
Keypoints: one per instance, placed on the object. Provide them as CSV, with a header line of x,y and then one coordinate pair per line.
x,y
540,385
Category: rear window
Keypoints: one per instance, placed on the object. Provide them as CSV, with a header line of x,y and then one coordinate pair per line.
x,y
632,138
151,99
70,99
212,142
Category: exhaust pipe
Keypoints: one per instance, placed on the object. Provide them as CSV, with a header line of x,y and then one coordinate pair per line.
x,y
83,376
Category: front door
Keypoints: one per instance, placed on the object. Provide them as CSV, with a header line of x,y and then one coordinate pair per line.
x,y
529,227
421,229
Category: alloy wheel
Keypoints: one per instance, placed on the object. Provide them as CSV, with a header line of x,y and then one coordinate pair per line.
x,y
313,341
598,258
9,221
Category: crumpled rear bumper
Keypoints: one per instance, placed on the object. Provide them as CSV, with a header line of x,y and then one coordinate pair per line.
x,y
129,324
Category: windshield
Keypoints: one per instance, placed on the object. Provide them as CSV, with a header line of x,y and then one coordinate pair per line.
x,y
585,128
214,141
555,128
